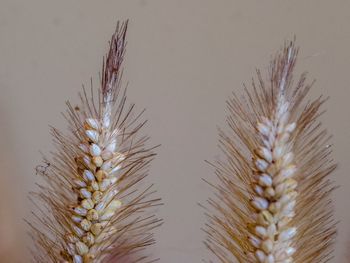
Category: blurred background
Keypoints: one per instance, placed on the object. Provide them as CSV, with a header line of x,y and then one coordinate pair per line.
x,y
184,58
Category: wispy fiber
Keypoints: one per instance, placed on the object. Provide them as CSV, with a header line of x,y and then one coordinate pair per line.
x,y
272,202
93,206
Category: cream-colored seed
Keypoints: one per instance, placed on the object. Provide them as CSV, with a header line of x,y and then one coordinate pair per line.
x,y
271,231
260,203
273,208
92,215
79,183
270,259
96,229
92,123
104,184
87,160
81,211
112,146
265,218
81,248
89,239
94,186
114,205
263,129
77,259
106,122
97,161
107,214
106,155
76,219
85,224
87,204
88,175
287,234
92,135
88,258
260,256
265,180
113,179
255,241
100,175
265,154
107,165
95,150
261,164
96,196
269,192
260,231
267,246
85,193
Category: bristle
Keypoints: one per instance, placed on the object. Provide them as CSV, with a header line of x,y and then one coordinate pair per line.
x,y
95,211
273,194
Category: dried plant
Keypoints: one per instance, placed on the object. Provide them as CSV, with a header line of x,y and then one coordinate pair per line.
x,y
273,199
91,207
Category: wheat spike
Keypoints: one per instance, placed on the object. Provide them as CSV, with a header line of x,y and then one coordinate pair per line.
x,y
90,208
273,199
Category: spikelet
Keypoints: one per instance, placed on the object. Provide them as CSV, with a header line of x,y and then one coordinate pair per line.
x,y
90,209
273,198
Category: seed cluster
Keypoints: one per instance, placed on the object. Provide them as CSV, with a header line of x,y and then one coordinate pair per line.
x,y
96,202
275,188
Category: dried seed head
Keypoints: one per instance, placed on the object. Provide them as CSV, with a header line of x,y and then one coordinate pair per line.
x,y
73,200
261,154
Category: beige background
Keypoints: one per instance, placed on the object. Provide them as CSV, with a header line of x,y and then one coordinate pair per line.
x,y
183,60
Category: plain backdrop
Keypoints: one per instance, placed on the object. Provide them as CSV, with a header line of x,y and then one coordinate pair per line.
x,y
184,58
